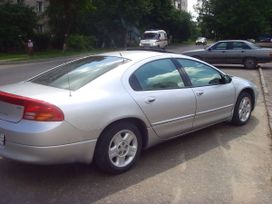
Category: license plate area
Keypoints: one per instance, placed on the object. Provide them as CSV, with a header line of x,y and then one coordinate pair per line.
x,y
2,139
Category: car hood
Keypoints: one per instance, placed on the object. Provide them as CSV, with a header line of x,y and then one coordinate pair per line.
x,y
193,51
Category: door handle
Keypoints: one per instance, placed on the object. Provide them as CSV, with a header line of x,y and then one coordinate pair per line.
x,y
150,100
199,93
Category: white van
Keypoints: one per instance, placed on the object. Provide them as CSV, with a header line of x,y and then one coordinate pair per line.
x,y
154,38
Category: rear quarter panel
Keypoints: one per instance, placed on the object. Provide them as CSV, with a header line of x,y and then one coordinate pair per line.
x,y
101,103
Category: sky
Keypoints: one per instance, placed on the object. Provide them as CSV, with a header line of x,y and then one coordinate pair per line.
x,y
191,3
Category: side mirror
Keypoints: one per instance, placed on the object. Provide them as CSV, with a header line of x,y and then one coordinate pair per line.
x,y
226,79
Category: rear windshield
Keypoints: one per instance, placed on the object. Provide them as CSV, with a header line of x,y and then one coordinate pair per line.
x,y
76,74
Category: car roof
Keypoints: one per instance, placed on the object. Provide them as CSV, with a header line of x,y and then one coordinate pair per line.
x,y
134,55
154,31
232,41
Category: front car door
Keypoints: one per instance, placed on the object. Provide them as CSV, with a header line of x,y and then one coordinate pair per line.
x,y
217,54
215,97
159,90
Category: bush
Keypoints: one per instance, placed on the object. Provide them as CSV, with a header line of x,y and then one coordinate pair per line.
x,y
80,42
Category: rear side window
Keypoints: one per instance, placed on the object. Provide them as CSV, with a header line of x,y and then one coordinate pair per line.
x,y
76,74
156,75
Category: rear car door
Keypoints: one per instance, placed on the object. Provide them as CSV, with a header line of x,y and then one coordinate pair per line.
x,y
159,90
238,52
215,97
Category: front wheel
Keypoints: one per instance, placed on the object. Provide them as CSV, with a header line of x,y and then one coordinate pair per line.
x,y
242,110
118,148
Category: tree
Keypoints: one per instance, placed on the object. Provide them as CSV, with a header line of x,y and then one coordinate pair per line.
x,y
17,23
241,19
112,20
65,17
163,15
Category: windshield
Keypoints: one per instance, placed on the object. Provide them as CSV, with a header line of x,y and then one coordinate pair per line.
x,y
150,36
76,74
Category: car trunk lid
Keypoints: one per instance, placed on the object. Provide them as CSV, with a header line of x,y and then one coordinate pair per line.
x,y
15,98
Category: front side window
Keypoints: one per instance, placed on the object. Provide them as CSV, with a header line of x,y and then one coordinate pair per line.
x,y
200,74
220,46
156,75
74,75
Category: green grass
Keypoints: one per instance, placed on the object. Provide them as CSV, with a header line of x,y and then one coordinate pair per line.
x,y
44,55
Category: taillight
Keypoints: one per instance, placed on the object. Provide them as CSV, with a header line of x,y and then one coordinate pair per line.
x,y
34,109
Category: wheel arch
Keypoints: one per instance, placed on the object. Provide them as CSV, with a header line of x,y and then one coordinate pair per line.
x,y
136,121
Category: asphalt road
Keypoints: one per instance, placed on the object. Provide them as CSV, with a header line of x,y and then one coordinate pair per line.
x,y
220,164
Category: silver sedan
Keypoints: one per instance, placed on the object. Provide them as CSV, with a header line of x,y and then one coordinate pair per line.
x,y
233,52
107,108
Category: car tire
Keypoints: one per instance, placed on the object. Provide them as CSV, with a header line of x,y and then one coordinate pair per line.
x,y
250,63
118,148
242,109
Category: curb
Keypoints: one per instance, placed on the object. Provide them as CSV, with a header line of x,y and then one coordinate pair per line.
x,y
268,103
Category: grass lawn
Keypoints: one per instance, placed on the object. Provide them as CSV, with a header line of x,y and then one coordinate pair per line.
x,y
43,55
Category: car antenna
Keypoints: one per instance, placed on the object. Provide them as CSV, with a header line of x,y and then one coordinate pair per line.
x,y
69,85
122,56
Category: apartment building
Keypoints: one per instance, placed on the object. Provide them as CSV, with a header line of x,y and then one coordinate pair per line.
x,y
180,4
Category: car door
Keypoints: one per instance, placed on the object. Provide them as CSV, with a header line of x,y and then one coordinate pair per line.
x,y
159,90
215,96
238,52
217,54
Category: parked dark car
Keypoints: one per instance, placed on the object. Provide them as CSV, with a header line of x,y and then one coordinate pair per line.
x,y
233,52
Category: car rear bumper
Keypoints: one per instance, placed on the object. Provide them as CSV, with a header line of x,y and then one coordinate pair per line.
x,y
67,153
46,142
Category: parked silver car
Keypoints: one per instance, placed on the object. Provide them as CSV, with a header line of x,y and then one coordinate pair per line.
x,y
106,108
233,52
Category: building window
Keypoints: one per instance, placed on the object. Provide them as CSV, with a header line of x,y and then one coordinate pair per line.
x,y
179,5
40,28
40,7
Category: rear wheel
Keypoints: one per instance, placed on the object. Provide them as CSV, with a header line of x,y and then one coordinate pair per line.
x,y
118,148
250,63
242,110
